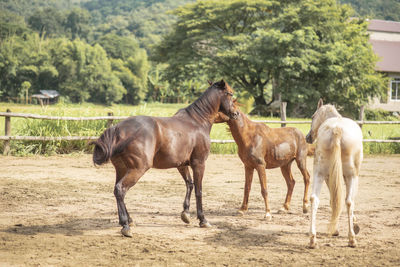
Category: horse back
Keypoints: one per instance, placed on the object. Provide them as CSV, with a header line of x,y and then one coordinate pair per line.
x,y
279,145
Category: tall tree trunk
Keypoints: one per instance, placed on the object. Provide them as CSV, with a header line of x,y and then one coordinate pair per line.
x,y
259,101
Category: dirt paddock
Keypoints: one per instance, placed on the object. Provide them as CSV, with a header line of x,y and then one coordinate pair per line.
x,y
61,211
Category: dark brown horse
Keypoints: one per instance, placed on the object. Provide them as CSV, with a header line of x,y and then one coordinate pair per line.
x,y
143,142
261,147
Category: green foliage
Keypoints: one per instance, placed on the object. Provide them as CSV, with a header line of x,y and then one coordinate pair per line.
x,y
75,68
376,9
121,47
23,59
379,115
12,24
305,49
129,63
77,23
45,24
146,20
86,67
381,148
150,23
301,49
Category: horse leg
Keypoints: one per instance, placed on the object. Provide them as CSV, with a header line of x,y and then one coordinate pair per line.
x,y
263,183
290,182
249,171
198,172
316,190
121,187
121,169
301,164
351,185
184,171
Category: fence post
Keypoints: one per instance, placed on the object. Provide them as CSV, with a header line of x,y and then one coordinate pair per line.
x,y
7,132
361,116
110,121
283,113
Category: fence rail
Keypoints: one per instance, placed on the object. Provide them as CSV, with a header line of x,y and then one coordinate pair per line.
x,y
110,118
83,138
43,117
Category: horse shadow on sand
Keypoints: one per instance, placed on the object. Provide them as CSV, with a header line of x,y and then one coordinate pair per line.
x,y
71,227
273,240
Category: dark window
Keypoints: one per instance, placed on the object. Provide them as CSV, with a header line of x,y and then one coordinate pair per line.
x,y
395,89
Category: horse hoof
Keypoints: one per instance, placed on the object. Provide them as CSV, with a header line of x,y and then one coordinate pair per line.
x,y
268,217
126,231
185,217
312,245
282,211
352,243
336,233
356,228
242,212
205,225
313,242
305,209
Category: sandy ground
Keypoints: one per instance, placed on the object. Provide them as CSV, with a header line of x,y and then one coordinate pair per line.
x,y
61,211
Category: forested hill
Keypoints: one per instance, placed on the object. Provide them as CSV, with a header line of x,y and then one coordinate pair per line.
x,y
376,9
147,20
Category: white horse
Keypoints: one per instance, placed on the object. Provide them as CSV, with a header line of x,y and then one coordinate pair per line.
x,y
338,153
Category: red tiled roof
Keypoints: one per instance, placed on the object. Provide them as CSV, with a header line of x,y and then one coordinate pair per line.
x,y
384,26
389,54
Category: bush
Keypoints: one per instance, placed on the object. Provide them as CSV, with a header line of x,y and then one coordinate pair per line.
x,y
379,115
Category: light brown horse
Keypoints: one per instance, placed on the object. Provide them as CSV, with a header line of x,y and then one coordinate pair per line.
x,y
143,142
261,147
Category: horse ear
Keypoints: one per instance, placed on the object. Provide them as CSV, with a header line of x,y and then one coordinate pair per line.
x,y
210,82
222,83
320,103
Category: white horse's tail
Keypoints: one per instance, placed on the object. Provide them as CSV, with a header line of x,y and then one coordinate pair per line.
x,y
335,182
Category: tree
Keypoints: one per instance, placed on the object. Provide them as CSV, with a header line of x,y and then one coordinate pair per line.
x,y
12,24
77,22
301,49
47,22
25,59
85,72
129,63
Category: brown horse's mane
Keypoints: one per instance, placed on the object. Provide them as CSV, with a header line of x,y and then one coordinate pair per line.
x,y
205,105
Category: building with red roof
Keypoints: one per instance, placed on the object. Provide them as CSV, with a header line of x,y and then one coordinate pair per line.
x,y
385,40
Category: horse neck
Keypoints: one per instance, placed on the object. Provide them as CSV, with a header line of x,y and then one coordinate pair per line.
x,y
204,109
327,114
330,113
239,127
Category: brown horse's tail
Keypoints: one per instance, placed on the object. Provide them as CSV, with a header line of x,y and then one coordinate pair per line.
x,y
104,146
108,145
335,183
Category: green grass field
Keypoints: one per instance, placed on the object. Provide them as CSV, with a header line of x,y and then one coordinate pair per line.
x,y
35,127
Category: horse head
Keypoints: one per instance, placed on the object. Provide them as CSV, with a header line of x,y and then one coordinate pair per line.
x,y
322,113
221,117
227,106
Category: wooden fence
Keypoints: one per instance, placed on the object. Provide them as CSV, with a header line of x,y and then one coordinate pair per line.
x,y
7,138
